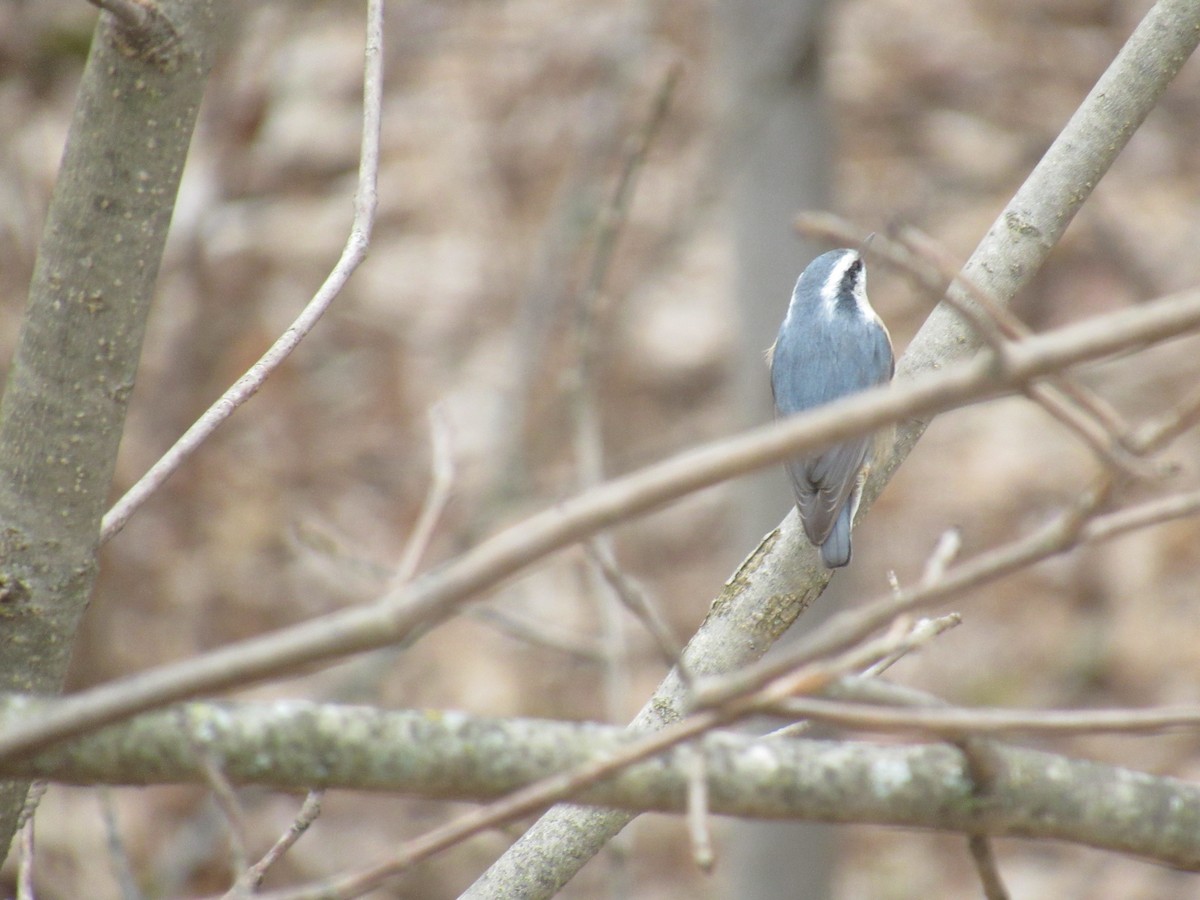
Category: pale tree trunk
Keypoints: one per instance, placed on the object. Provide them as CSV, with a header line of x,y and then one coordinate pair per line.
x,y
779,145
64,403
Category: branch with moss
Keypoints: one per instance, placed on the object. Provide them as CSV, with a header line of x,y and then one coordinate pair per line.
x,y
293,745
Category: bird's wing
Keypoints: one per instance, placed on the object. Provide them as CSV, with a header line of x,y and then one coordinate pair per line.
x,y
824,482
823,485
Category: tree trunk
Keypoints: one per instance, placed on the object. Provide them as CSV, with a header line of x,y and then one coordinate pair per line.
x,y
64,403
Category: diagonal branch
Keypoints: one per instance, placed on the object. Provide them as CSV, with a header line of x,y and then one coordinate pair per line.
x,y
781,578
419,604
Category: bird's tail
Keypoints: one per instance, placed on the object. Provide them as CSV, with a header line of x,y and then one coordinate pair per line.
x,y
835,552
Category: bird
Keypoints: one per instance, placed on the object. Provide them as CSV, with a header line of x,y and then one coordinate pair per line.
x,y
831,344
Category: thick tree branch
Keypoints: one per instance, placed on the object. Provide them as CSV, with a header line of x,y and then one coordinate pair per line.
x,y
294,745
65,399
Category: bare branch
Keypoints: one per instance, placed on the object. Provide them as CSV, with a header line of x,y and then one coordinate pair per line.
x,y
224,796
436,498
541,634
1092,419
634,598
905,637
1108,419
1095,422
985,864
142,30
118,855
922,631
131,13
1115,524
252,878
588,437
419,604
952,722
437,757
1170,425
847,628
25,851
697,809
944,553
354,253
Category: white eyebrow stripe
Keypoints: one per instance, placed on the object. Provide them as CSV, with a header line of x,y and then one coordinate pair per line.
x,y
829,290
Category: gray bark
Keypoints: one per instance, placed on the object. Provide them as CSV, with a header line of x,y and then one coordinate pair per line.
x,y
64,403
300,745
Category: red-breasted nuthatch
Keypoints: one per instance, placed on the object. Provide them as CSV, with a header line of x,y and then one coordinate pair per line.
x,y
831,344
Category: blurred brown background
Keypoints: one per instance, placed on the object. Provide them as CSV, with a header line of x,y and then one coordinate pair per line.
x,y
505,126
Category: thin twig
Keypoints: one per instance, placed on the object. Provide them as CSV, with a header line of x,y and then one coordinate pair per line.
x,y
1169,425
848,628
438,495
814,677
367,677
133,14
699,830
118,855
985,864
1153,512
1109,448
904,639
921,631
1107,419
228,805
635,599
540,634
588,436
1096,420
952,722
611,222
365,201
252,878
944,553
25,857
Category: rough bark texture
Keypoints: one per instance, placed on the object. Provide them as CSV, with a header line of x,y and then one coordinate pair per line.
x,y
64,404
297,745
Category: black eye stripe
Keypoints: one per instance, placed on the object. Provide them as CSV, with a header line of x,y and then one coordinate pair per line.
x,y
851,276
845,293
